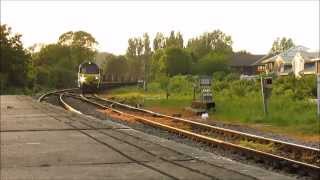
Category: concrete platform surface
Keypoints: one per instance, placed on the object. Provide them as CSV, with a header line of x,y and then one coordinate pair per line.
x,y
42,141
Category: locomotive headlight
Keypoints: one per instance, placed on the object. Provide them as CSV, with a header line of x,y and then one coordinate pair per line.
x,y
82,79
97,77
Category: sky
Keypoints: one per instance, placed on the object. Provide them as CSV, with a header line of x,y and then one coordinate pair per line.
x,y
253,25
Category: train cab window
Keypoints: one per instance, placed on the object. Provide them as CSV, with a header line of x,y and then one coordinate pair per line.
x,y
89,69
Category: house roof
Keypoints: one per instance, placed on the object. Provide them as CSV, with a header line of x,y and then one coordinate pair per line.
x,y
261,60
244,59
288,55
310,56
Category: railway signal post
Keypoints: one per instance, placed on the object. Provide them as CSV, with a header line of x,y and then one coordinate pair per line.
x,y
266,88
204,101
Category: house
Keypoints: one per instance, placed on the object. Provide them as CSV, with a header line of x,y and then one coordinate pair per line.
x,y
297,60
245,63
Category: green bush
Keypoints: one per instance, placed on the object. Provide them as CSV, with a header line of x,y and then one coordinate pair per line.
x,y
212,62
154,87
219,75
240,101
294,88
180,84
232,77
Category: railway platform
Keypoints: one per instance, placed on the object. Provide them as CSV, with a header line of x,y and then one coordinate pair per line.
x,y
42,141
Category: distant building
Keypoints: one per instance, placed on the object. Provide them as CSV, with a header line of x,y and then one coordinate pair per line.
x,y
247,64
297,60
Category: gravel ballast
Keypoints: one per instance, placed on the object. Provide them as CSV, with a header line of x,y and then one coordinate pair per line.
x,y
92,110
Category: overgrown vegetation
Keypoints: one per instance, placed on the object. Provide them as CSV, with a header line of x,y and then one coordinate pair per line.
x,y
239,101
14,62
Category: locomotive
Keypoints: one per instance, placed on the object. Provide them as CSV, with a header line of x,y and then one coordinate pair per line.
x,y
89,77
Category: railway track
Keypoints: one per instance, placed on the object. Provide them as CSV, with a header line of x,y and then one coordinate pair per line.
x,y
286,156
89,126
56,92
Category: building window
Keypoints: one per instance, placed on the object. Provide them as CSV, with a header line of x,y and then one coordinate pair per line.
x,y
287,68
261,68
309,66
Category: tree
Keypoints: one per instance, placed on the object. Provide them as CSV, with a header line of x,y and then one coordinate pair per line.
x,y
82,45
56,65
139,55
281,45
132,49
78,39
213,62
242,52
146,58
177,61
14,60
156,65
117,68
208,42
174,40
159,42
53,66
134,54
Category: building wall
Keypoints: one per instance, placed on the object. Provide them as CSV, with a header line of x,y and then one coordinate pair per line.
x,y
245,70
279,65
297,65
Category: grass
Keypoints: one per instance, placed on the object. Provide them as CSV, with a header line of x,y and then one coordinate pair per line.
x,y
286,116
293,116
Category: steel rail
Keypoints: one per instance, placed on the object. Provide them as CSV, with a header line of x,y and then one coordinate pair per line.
x,y
284,145
210,126
82,97
268,158
293,163
55,92
70,108
66,105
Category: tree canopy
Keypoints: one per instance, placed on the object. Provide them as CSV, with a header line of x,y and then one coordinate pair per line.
x,y
177,61
213,62
208,42
281,45
14,60
78,39
55,65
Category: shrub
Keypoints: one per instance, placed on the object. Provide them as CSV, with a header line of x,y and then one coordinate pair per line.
x,y
290,86
180,84
212,62
219,75
232,77
154,87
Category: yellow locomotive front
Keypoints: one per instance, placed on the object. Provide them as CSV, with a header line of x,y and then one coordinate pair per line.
x,y
89,77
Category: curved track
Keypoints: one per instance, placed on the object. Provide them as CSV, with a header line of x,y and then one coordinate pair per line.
x,y
297,152
81,97
56,92
287,156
